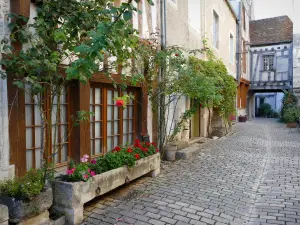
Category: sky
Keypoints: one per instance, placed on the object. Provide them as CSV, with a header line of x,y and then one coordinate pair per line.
x,y
272,8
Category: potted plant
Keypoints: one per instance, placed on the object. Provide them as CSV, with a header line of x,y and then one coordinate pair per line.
x,y
27,198
291,115
91,178
242,119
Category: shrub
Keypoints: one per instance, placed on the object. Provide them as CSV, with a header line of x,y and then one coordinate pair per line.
x,y
265,110
117,158
24,188
291,114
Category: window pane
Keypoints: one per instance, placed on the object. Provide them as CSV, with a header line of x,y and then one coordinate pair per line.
x,y
125,126
29,143
92,147
130,137
97,95
124,139
116,113
55,152
54,135
28,159
91,96
116,94
28,98
109,144
63,96
116,127
38,158
116,140
97,113
28,115
130,126
64,153
97,129
109,97
130,112
63,114
64,133
109,112
91,115
37,115
54,112
125,112
38,137
97,146
109,128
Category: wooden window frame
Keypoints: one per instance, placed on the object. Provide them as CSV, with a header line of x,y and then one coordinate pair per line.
x,y
104,135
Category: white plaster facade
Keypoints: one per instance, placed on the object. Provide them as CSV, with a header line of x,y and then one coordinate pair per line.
x,y
6,170
188,23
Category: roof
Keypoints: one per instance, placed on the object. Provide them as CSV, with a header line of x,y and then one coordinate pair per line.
x,y
274,30
231,10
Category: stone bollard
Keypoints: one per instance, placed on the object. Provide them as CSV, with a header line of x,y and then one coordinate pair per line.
x,y
3,215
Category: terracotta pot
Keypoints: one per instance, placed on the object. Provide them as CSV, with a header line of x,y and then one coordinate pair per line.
x,y
170,152
291,125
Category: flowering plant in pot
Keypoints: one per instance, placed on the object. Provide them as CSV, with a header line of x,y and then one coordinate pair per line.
x,y
123,101
291,115
26,197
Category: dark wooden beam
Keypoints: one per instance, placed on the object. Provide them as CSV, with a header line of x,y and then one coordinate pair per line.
x,y
20,7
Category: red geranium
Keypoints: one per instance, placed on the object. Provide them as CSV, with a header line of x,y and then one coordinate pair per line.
x,y
120,103
117,148
137,156
145,149
157,150
129,150
176,54
153,143
148,144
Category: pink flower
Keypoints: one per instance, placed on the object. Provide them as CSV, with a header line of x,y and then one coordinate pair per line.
x,y
71,171
120,103
89,170
93,161
92,173
85,176
85,158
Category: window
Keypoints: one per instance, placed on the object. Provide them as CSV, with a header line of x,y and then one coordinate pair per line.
x,y
231,49
244,18
268,62
216,30
111,125
35,131
194,14
244,57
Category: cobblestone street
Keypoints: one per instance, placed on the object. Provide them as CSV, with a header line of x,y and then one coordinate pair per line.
x,y
250,177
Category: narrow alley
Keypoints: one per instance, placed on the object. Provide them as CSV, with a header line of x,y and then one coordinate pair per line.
x,y
250,177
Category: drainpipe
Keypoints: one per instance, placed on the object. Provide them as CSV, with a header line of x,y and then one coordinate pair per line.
x,y
161,109
239,55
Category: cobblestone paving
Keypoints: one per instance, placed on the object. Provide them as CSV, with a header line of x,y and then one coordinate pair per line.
x,y
251,177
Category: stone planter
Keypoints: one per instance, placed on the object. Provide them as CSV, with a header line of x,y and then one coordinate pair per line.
x,y
291,125
69,197
170,152
33,212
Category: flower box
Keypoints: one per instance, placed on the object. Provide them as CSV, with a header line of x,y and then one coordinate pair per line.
x,y
291,125
34,211
69,197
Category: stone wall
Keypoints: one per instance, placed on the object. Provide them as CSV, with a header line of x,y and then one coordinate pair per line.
x,y
5,169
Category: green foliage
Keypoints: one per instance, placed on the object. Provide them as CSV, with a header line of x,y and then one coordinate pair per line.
x,y
291,114
265,110
117,158
24,188
288,101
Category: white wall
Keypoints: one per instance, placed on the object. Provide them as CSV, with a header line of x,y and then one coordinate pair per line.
x,y
274,99
5,169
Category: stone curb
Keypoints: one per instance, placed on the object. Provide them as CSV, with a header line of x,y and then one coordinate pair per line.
x,y
3,215
190,151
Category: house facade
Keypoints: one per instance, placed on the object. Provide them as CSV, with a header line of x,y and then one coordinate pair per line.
x,y
271,57
296,75
21,129
244,11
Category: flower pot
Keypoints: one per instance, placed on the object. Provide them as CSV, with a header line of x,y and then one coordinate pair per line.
x,y
33,212
69,197
170,152
242,119
291,125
